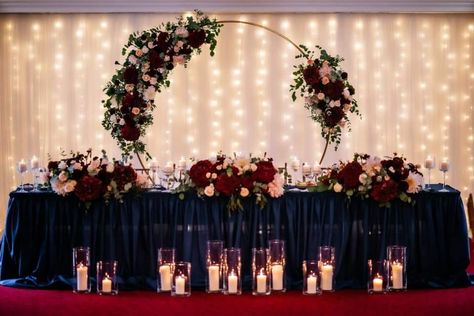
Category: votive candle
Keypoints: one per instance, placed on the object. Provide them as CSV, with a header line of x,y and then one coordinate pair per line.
x,y
311,283
106,285
232,281
326,277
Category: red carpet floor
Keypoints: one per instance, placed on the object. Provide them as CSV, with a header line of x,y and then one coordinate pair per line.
x,y
346,302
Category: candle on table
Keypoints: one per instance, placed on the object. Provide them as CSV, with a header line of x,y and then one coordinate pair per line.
x,y
277,277
180,284
154,164
326,277
182,164
295,164
261,283
317,168
213,272
306,169
81,275
168,169
311,282
429,162
397,275
22,166
444,166
232,282
165,277
106,284
34,163
377,284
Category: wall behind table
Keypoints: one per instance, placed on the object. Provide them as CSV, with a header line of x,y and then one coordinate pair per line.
x,y
413,75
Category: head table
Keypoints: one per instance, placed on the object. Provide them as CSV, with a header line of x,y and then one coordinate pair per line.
x,y
42,228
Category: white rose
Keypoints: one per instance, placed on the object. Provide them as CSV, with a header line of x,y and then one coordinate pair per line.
x,y
153,81
320,96
181,32
122,121
132,59
214,175
337,187
209,190
110,168
253,167
145,49
150,45
244,192
219,167
346,93
62,165
77,166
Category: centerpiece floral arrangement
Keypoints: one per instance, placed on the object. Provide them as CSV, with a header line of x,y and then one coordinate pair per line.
x,y
151,55
383,180
327,93
236,178
90,178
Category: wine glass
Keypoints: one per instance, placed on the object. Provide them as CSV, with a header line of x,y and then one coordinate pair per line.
x,y
430,163
443,167
22,168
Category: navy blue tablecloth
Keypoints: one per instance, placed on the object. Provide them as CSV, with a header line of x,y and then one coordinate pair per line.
x,y
42,228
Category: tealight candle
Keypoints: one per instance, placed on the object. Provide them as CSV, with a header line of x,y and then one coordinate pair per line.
x,y
429,162
311,282
397,275
180,282
377,284
81,275
261,283
213,272
106,284
326,277
277,277
232,282
165,277
444,166
34,163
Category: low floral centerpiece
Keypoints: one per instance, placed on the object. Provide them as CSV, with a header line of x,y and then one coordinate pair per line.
x,y
91,178
383,180
237,178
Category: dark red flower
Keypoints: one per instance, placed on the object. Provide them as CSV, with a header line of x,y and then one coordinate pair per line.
x,y
311,75
155,59
123,175
198,173
333,115
334,89
130,133
384,191
227,185
130,75
349,175
247,182
265,172
53,165
89,188
162,41
196,38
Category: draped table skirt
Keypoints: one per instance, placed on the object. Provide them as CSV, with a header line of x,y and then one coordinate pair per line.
x,y
42,228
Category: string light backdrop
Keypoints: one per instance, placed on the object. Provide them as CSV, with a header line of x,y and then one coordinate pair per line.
x,y
413,75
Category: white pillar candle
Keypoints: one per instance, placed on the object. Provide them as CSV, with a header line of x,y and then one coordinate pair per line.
x,y
444,166
261,283
81,275
429,163
213,274
377,284
317,168
232,281
277,277
34,163
295,164
22,166
306,169
326,277
165,277
106,285
397,275
168,169
311,282
154,164
182,164
180,282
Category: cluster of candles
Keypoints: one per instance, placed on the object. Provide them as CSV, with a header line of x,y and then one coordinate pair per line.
x,y
430,163
34,167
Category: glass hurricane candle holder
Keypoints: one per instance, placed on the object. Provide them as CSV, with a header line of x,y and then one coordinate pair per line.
x,y
276,259
377,274
81,269
107,277
310,277
260,272
232,283
215,252
165,264
430,163
326,265
22,168
181,279
397,270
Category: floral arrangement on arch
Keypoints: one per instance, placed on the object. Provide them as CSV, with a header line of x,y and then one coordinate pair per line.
x,y
383,180
90,178
327,93
151,55
237,178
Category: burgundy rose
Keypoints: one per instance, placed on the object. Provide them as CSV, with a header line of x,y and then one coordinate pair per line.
x,y
333,115
123,175
334,89
227,185
247,182
196,38
384,191
89,188
162,41
128,99
155,59
53,165
265,172
130,75
311,75
130,133
349,175
198,173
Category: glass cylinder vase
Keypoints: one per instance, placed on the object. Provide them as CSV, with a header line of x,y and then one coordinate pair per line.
x,y
310,277
107,277
81,269
165,264
377,276
397,269
276,249
215,252
232,282
261,276
326,266
181,279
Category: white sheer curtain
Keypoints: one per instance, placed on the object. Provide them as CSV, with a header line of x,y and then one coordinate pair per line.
x,y
413,75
